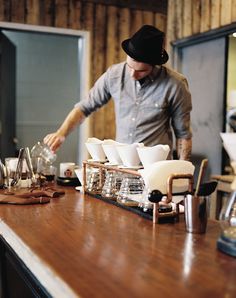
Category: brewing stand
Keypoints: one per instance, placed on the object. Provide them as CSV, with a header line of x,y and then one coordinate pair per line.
x,y
156,216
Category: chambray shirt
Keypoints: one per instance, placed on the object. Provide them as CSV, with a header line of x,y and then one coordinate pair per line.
x,y
144,113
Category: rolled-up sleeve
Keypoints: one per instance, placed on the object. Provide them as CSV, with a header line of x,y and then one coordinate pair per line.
x,y
180,111
98,96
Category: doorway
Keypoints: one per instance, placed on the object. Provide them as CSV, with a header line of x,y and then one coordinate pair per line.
x,y
51,76
203,58
231,85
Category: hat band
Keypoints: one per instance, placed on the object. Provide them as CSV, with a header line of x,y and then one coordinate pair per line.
x,y
132,49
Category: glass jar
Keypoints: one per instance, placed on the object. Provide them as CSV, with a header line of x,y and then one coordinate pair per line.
x,y
227,241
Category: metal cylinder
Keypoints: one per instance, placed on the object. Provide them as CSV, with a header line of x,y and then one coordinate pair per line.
x,y
196,209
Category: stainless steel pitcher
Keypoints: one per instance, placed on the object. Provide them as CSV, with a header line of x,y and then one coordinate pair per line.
x,y
196,213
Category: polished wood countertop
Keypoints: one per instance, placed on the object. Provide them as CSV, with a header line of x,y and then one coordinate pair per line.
x,y
79,246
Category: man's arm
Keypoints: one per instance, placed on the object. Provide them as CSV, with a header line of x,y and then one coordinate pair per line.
x,y
74,118
184,148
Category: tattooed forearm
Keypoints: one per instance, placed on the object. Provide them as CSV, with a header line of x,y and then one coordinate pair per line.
x,y
184,148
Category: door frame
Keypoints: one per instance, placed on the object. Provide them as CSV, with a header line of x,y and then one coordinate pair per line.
x,y
84,64
7,97
180,44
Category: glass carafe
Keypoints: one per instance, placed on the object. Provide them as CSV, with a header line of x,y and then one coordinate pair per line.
x,y
131,191
41,156
227,240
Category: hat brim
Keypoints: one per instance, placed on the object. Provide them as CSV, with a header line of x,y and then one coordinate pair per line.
x,y
149,60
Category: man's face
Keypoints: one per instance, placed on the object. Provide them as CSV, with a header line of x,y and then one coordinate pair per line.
x,y
138,70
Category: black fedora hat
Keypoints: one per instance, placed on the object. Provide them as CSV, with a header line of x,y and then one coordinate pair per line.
x,y
146,46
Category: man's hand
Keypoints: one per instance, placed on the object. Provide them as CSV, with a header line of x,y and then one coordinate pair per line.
x,y
54,140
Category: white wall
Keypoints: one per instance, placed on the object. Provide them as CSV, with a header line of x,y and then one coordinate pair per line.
x,y
47,87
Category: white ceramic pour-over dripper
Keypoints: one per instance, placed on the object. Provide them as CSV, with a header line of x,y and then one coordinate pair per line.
x,y
155,176
128,154
149,155
229,143
79,173
94,147
109,147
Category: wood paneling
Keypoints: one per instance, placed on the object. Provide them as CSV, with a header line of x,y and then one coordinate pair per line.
x,y
160,21
225,12
233,15
171,34
99,63
1,11
186,18
179,19
196,15
205,15
112,56
48,13
148,17
32,12
74,14
150,5
18,11
215,13
124,29
61,19
135,21
189,17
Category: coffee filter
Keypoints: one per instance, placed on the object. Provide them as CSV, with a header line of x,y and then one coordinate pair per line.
x,y
156,175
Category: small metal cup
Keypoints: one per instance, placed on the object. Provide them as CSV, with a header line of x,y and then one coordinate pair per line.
x,y
196,209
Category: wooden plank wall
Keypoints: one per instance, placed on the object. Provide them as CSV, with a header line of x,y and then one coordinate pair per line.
x,y
109,25
189,17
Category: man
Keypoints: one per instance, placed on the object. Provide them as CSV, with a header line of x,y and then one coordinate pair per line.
x,y
151,101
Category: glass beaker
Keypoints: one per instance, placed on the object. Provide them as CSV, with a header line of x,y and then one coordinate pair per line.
x,y
93,183
17,177
111,185
131,191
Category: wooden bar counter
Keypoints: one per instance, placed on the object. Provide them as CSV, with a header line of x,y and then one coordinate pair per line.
x,y
80,246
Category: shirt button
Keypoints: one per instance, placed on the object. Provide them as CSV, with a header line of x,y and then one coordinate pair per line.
x,y
137,103
133,119
130,134
156,105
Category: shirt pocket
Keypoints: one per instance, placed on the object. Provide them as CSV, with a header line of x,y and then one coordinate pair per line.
x,y
155,109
